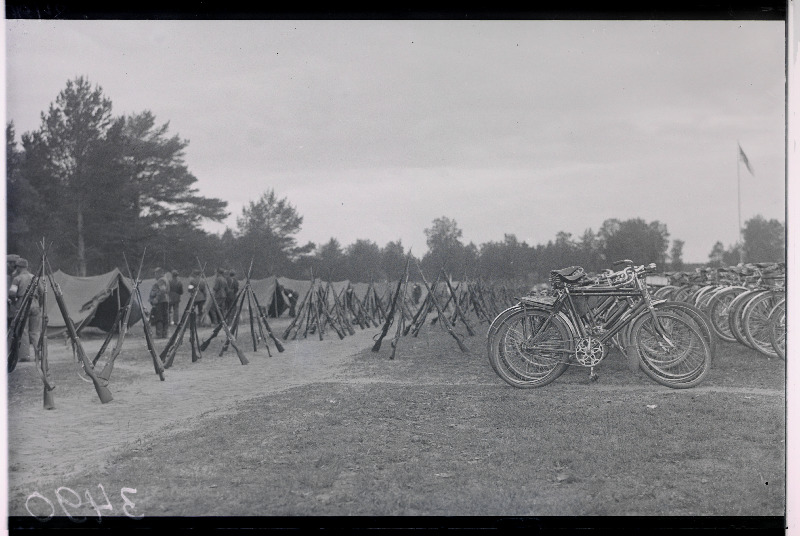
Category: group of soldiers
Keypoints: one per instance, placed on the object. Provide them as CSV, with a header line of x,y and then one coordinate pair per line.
x,y
165,297
18,278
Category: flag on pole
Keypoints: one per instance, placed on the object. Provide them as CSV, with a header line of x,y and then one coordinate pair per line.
x,y
743,158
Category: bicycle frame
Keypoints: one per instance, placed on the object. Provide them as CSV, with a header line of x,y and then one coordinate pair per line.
x,y
626,302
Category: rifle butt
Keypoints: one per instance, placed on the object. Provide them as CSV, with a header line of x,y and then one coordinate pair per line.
x,y
196,354
49,402
105,374
242,358
377,346
460,344
103,392
278,345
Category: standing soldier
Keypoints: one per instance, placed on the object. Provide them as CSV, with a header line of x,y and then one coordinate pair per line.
x,y
19,285
200,298
416,294
11,267
220,293
233,290
175,293
159,300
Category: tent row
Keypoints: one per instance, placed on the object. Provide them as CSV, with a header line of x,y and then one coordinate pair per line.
x,y
95,300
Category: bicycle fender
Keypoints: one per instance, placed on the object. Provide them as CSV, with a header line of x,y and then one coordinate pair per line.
x,y
498,320
524,302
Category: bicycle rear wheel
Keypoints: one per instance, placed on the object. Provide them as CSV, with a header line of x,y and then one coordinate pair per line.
x,y
757,322
718,309
530,348
701,320
736,313
778,329
681,360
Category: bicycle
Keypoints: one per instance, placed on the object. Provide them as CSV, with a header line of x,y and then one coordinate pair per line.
x,y
533,342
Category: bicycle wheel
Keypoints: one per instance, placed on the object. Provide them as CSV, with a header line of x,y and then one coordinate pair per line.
x,y
681,360
777,334
697,294
718,308
530,349
757,324
735,311
664,292
494,327
703,301
683,293
701,319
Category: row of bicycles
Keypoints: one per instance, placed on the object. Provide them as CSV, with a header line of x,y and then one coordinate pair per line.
x,y
583,316
745,303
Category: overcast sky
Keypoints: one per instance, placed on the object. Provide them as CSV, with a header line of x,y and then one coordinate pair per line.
x,y
372,129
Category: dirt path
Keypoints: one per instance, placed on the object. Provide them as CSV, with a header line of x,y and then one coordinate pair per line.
x,y
81,432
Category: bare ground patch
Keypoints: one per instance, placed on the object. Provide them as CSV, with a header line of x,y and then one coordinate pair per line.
x,y
330,428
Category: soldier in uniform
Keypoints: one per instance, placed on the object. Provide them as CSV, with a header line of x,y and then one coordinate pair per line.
x,y
159,300
175,293
233,290
416,293
220,293
200,298
11,267
19,285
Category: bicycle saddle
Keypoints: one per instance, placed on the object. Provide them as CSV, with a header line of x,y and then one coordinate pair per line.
x,y
570,274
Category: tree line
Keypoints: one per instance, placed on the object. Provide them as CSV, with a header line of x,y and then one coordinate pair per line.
x,y
99,186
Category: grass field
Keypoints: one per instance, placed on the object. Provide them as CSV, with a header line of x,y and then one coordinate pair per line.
x,y
436,433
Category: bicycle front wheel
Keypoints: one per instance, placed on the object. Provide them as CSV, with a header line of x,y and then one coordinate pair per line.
x,y
676,355
530,348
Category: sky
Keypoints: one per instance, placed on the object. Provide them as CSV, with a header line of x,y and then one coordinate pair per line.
x,y
373,129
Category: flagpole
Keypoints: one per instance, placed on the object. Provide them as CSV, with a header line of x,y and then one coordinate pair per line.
x,y
739,199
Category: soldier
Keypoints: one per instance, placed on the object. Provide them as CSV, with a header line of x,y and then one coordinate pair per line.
x,y
11,266
416,293
159,300
175,293
19,285
200,298
220,293
292,297
233,290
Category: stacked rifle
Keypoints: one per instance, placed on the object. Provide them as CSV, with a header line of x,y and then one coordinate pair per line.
x,y
320,309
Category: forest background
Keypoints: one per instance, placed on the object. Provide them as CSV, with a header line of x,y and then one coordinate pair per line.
x,y
100,188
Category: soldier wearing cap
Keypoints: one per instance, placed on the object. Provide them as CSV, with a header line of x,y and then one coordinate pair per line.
x,y
220,293
175,293
159,300
16,291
